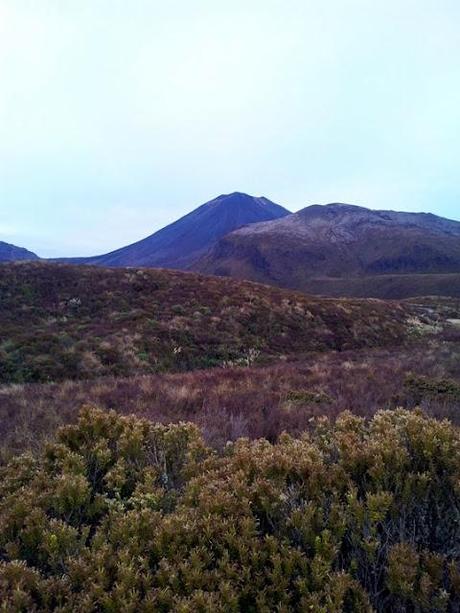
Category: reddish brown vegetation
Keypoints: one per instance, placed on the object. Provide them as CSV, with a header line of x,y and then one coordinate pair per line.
x,y
62,322
69,322
255,402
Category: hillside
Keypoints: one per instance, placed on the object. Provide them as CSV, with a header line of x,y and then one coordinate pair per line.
x,y
341,242
187,239
11,253
388,287
61,321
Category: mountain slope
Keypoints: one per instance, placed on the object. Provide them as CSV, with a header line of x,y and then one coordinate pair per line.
x,y
184,241
11,253
388,287
69,322
337,241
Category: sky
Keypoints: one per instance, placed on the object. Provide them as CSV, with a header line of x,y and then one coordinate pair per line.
x,y
119,116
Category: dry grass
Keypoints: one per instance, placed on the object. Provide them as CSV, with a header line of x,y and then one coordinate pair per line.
x,y
232,402
109,335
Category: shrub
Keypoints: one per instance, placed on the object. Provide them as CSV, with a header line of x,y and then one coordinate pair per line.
x,y
307,397
122,514
420,389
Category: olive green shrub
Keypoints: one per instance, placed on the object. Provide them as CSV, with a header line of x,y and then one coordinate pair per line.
x,y
124,515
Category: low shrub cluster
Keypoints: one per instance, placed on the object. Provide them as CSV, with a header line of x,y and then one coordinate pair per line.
x,y
420,389
121,514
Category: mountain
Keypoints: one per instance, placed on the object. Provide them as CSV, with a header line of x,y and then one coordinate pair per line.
x,y
11,253
183,242
321,246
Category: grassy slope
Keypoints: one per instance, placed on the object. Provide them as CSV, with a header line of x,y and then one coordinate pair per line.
x,y
71,322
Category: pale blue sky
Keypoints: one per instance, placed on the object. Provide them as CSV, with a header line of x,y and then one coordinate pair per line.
x,y
118,116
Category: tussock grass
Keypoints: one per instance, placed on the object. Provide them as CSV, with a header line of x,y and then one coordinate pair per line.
x,y
251,401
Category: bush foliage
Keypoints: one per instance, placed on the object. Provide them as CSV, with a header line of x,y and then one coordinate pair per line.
x,y
421,389
122,514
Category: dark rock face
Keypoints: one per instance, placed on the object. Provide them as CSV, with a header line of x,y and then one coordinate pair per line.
x,y
337,241
183,242
11,253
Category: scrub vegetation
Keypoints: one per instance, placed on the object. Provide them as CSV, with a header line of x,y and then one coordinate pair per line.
x,y
121,514
62,322
176,443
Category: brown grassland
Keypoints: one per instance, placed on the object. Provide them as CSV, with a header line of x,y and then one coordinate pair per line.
x,y
171,442
253,402
62,322
143,342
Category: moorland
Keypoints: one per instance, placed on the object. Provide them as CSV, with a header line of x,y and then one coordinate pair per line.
x,y
172,441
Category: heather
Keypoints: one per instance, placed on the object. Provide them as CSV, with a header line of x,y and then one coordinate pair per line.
x,y
123,514
227,403
61,322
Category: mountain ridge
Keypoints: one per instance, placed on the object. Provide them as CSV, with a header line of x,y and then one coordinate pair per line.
x,y
182,242
13,253
335,249
336,241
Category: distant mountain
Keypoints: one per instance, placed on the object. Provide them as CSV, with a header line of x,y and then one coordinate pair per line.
x,y
319,245
183,242
11,253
